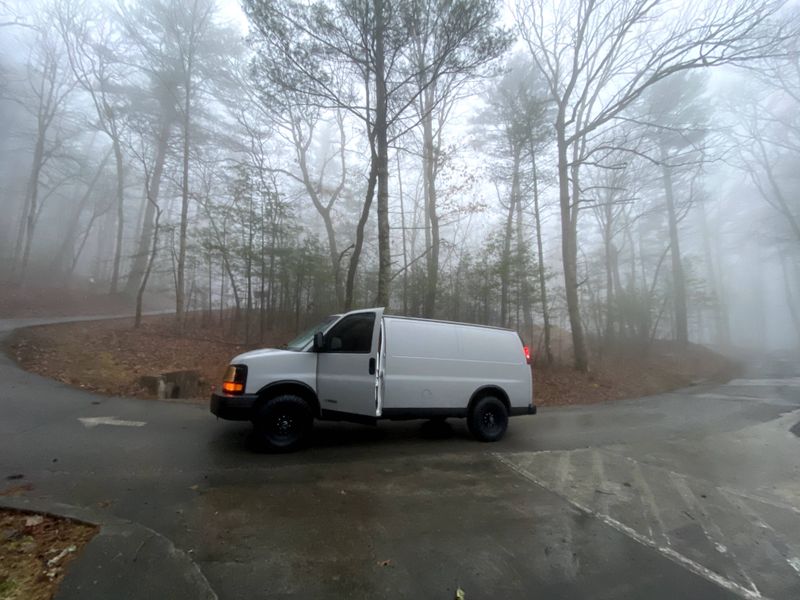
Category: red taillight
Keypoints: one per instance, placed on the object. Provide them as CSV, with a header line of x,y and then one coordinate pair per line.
x,y
527,352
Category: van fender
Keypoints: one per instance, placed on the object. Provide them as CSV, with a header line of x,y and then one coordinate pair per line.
x,y
289,386
489,390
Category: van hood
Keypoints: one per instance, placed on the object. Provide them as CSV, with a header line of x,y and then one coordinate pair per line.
x,y
261,353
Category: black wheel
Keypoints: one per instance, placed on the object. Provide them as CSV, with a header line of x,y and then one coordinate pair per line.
x,y
488,419
283,423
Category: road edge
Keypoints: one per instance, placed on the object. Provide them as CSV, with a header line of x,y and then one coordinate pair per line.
x,y
125,560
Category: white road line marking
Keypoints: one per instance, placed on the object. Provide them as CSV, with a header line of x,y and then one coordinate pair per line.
x,y
762,499
564,470
650,502
676,557
788,382
754,497
714,396
711,530
90,422
794,562
740,503
600,472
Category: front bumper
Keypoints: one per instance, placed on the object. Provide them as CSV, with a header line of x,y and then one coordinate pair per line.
x,y
233,408
523,410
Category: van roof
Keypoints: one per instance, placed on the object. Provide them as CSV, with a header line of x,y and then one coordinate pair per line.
x,y
404,318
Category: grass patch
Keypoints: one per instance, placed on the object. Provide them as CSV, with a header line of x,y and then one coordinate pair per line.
x,y
35,552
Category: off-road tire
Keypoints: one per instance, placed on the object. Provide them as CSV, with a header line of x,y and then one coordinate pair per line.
x,y
488,419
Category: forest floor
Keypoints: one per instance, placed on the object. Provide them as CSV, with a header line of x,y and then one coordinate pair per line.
x,y
43,301
110,356
35,551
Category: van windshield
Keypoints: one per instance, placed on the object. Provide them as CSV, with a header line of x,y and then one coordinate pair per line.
x,y
302,340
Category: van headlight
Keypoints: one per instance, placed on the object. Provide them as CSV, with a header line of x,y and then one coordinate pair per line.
x,y
235,379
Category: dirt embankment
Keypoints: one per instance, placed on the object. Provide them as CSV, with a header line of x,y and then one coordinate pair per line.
x,y
110,356
630,373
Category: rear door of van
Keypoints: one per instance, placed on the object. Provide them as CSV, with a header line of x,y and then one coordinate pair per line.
x,y
347,364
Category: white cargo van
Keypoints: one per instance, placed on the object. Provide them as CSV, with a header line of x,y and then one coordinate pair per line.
x,y
363,366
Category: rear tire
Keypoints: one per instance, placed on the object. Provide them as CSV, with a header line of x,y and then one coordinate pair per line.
x,y
488,419
283,423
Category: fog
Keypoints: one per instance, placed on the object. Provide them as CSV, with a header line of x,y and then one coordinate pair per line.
x,y
624,171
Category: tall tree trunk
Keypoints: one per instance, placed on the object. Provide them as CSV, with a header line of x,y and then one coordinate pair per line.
x,y
221,292
148,268
505,264
403,228
62,261
382,144
359,243
548,351
273,245
248,274
569,246
262,313
140,258
179,287
28,223
522,251
314,189
429,158
333,249
722,328
120,213
678,278
610,256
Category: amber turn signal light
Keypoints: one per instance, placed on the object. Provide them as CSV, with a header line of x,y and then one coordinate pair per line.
x,y
231,387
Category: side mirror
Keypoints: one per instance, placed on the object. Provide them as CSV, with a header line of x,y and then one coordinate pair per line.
x,y
319,341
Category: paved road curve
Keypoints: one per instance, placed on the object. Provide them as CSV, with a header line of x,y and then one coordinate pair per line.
x,y
693,494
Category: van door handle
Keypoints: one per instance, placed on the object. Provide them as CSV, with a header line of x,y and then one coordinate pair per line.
x,y
372,366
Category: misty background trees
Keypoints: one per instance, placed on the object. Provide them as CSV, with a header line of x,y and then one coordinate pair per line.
x,y
591,173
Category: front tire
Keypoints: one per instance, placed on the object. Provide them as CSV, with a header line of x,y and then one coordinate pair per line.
x,y
283,423
488,419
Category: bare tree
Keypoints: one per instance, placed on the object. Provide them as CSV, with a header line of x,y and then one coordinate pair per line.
x,y
180,44
676,111
515,121
467,31
598,58
766,134
356,56
49,84
10,18
90,40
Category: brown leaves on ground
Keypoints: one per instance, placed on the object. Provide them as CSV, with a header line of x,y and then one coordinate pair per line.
x,y
37,301
110,356
35,551
631,372
16,490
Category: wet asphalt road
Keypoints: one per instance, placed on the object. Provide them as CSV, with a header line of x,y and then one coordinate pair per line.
x,y
692,494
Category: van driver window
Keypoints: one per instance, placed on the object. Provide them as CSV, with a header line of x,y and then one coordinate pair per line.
x,y
351,334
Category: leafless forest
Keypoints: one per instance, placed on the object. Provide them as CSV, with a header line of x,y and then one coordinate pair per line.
x,y
619,170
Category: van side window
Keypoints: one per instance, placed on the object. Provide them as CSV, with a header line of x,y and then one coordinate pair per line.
x,y
351,334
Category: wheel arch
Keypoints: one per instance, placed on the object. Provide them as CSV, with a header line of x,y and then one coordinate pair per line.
x,y
489,390
288,386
